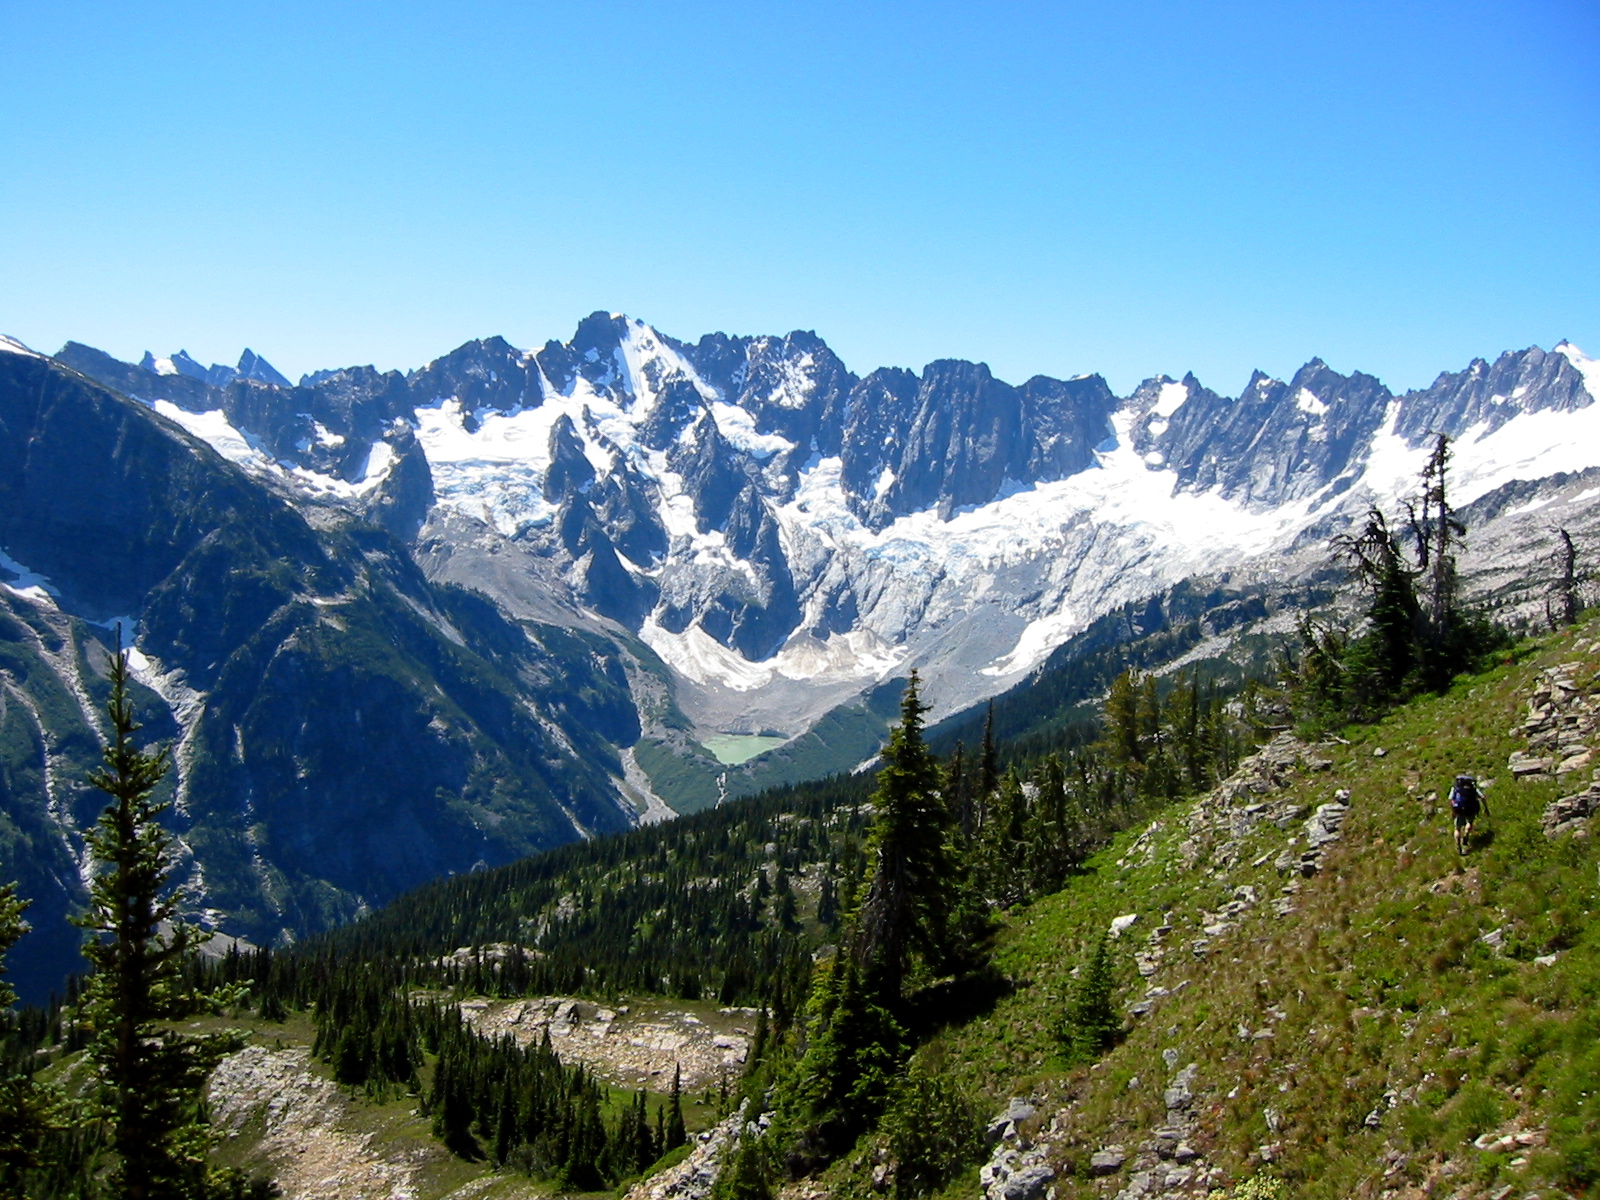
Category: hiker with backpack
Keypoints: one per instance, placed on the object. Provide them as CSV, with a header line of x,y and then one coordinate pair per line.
x,y
1466,802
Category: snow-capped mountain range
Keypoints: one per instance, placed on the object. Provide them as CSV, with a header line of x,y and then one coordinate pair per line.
x,y
399,624
784,533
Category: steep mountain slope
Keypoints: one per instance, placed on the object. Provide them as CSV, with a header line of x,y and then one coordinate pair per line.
x,y
343,728
1233,626
1316,985
1316,988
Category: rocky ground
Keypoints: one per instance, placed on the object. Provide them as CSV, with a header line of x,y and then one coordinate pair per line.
x,y
1242,821
632,1045
1563,719
696,1175
298,1115
279,1115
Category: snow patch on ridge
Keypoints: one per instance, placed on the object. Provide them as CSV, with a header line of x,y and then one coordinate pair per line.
x,y
1530,446
1169,400
28,584
214,429
1309,404
739,428
1585,366
9,345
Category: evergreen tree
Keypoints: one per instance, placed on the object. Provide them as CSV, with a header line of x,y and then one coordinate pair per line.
x,y
1416,634
1437,533
842,1081
1122,724
907,905
988,768
1567,602
749,1175
933,1131
26,1108
151,1074
958,793
675,1133
1004,852
1050,837
1092,1024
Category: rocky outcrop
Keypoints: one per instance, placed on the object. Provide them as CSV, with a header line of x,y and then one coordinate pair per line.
x,y
1019,1168
300,1116
631,1046
1561,726
1167,1163
1225,821
1237,824
696,1175
1026,1156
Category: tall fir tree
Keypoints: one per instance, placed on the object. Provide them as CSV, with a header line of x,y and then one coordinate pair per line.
x,y
988,767
1568,604
1092,1024
1438,533
908,900
855,1048
675,1133
152,1075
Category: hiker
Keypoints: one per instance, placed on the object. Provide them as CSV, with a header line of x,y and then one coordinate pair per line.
x,y
1466,801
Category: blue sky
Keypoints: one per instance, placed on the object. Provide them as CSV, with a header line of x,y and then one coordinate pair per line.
x,y
1129,188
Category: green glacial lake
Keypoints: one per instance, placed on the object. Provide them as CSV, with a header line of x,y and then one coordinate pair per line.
x,y
735,748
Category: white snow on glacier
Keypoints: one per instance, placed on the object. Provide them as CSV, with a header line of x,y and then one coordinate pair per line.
x,y
1040,561
218,432
1097,539
10,345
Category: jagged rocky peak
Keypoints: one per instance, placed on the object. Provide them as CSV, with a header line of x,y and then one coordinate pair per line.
x,y
485,375
251,366
1276,442
794,387
1490,394
753,491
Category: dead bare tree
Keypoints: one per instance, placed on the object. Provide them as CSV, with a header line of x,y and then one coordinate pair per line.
x,y
1567,604
1438,531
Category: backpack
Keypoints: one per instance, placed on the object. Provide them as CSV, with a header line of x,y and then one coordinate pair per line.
x,y
1464,798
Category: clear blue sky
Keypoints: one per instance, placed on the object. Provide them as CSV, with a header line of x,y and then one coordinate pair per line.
x,y
1130,188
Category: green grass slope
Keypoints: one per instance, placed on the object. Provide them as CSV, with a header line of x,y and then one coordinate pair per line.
x,y
1360,1043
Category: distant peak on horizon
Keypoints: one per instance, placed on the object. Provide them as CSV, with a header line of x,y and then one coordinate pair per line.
x,y
251,366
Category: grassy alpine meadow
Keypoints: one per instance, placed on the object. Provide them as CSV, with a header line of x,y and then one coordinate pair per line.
x,y
1414,1006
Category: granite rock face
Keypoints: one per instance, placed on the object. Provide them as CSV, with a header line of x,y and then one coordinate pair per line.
x,y
1562,723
